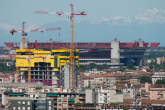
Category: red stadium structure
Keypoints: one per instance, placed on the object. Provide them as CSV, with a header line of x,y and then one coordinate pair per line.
x,y
81,45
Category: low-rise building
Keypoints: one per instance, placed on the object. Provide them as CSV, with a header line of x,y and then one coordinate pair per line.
x,y
106,96
153,92
90,96
107,80
5,78
152,95
66,100
160,60
158,76
22,103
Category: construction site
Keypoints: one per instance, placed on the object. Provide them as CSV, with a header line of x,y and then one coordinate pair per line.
x,y
47,74
56,67
56,63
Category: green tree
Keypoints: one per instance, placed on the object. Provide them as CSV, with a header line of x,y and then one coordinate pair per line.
x,y
83,68
5,68
122,68
101,67
92,66
145,79
160,81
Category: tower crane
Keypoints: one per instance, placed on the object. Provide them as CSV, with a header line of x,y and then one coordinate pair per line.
x,y
71,58
23,40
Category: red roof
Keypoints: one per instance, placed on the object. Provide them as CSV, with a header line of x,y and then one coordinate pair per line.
x,y
103,75
152,101
4,76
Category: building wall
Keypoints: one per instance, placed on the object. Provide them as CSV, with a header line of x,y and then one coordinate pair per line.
x,y
100,82
86,83
30,104
115,52
158,76
108,96
114,98
20,105
160,60
153,95
65,100
66,77
90,96
5,78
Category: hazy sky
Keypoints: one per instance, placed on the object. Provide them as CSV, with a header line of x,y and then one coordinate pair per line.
x,y
125,19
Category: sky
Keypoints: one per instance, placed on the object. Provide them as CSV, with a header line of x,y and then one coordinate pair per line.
x,y
126,20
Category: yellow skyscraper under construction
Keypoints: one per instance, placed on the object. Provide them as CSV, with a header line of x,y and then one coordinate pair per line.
x,y
45,66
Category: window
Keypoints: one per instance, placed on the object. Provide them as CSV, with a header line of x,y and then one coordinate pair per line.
x,y
14,108
23,108
50,102
28,108
23,102
19,108
25,53
28,103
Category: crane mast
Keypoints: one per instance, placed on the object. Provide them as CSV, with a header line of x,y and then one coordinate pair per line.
x,y
71,67
23,40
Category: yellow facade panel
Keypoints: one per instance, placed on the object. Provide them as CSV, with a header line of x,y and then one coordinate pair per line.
x,y
28,57
64,50
23,69
23,63
41,52
55,69
61,50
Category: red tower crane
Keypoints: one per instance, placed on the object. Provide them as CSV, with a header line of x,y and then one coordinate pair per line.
x,y
23,40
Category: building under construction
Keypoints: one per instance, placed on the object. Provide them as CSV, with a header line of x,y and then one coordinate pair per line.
x,y
50,67
111,53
